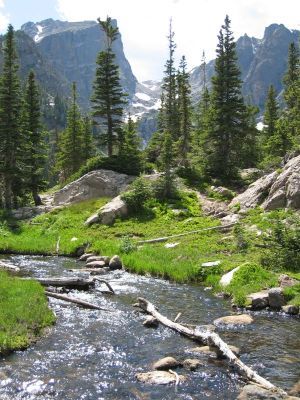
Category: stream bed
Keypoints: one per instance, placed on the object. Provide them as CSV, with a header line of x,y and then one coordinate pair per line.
x,y
94,355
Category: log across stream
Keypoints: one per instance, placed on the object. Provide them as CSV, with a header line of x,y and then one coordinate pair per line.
x,y
94,354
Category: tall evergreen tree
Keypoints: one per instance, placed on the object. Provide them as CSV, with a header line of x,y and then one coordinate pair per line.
x,y
291,77
70,156
35,157
11,141
131,148
169,109
108,96
88,149
276,133
185,113
228,112
271,113
290,120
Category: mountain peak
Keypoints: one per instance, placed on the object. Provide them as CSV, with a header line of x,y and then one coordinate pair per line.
x,y
39,30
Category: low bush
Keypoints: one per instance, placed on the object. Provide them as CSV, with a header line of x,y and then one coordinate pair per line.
x,y
139,193
283,246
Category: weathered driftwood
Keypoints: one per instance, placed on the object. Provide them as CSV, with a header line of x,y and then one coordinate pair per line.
x,y
165,238
82,303
93,270
9,267
211,339
70,283
105,283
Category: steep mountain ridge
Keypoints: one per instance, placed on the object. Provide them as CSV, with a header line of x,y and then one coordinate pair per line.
x,y
72,49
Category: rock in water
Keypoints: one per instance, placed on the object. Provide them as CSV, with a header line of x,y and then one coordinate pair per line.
x,y
166,363
192,364
151,322
159,377
259,300
276,298
115,263
242,319
253,392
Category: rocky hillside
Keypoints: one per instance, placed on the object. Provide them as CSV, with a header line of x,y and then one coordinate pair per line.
x,y
72,48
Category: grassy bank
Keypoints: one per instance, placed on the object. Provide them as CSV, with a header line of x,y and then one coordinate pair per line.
x,y
181,263
23,312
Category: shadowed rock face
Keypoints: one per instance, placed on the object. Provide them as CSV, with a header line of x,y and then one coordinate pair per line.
x,y
95,184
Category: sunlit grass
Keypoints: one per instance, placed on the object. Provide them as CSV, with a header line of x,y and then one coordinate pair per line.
x,y
23,312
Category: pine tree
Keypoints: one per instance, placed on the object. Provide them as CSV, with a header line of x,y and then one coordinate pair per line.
x,y
290,120
88,149
228,112
185,113
108,96
35,155
291,77
169,109
70,156
11,141
271,113
132,143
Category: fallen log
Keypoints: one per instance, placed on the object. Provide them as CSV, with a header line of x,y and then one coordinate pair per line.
x,y
70,283
165,238
211,339
82,303
9,267
105,283
93,270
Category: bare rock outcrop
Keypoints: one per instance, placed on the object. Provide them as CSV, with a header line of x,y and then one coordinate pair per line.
x,y
109,212
95,184
275,190
256,192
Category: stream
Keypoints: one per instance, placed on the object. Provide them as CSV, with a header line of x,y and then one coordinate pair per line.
x,y
94,355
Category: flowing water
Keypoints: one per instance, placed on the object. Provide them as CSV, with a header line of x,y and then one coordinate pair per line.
x,y
93,355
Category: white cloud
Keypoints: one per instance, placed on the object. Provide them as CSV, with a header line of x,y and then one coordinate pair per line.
x,y
144,25
4,17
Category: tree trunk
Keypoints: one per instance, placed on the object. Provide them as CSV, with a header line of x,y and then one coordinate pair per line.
x,y
82,303
69,283
211,339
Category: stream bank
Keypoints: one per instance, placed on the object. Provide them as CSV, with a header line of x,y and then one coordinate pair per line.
x,y
96,355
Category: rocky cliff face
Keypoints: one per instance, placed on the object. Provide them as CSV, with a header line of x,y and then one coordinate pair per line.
x,y
30,57
72,49
262,62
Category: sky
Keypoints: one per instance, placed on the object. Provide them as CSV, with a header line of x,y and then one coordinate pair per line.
x,y
144,24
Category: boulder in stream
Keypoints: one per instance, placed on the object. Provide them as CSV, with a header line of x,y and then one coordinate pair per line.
x,y
254,392
151,322
276,298
166,363
291,309
242,319
159,377
115,263
192,364
258,300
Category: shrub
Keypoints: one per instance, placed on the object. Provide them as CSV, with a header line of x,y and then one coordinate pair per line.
x,y
137,196
241,242
127,245
283,247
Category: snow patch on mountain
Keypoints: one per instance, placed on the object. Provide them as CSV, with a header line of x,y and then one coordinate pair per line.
x,y
38,37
